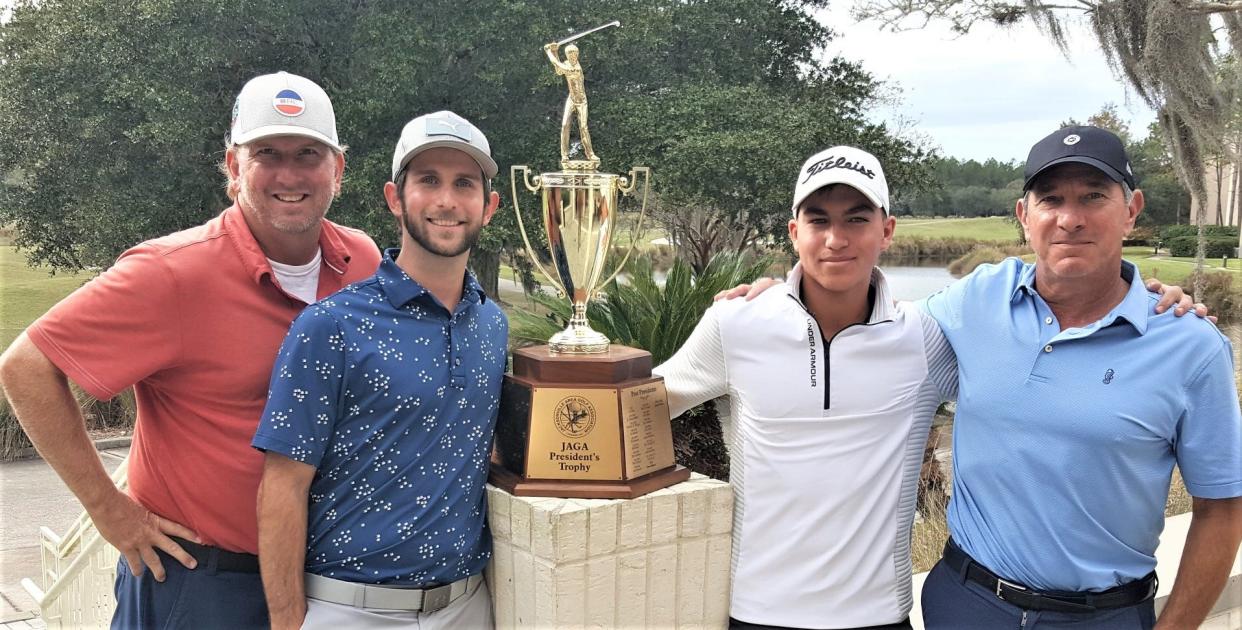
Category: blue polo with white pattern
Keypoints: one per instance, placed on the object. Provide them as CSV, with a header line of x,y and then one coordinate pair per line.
x,y
393,398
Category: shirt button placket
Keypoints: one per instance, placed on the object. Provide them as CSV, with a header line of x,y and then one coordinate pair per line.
x,y
456,378
448,340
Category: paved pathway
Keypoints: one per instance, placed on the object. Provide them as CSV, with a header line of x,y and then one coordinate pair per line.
x,y
32,496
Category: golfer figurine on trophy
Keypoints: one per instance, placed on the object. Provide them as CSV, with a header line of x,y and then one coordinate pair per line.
x,y
581,417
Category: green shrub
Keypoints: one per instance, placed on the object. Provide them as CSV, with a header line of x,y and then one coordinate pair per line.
x,y
1213,246
117,413
1219,295
1170,232
985,254
1181,245
916,248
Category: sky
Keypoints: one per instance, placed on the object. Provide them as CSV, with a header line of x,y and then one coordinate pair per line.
x,y
991,93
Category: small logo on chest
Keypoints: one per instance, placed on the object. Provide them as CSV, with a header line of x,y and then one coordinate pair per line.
x,y
1108,376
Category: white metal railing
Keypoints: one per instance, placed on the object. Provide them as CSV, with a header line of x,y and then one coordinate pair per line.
x,y
79,571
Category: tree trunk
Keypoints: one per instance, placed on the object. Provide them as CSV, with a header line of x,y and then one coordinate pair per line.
x,y
1235,180
1220,190
486,267
1201,244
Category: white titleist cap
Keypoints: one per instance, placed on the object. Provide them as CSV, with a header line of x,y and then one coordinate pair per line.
x,y
283,104
442,129
842,165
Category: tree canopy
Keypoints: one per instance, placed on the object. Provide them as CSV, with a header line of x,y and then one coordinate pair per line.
x,y
972,189
968,188
114,113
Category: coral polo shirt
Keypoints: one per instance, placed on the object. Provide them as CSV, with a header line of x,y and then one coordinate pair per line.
x,y
193,321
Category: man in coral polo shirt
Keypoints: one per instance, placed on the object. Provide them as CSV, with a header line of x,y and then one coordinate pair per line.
x,y
193,321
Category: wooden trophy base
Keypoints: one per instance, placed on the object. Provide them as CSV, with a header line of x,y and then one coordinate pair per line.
x,y
584,426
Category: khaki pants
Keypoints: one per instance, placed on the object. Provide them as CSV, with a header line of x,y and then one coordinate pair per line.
x,y
470,611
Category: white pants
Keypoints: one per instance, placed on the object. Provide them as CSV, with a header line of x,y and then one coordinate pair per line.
x,y
471,611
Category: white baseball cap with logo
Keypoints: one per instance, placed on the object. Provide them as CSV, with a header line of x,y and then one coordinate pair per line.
x,y
842,165
442,129
283,104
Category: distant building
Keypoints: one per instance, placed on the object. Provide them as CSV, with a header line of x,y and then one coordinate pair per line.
x,y
1223,203
1224,197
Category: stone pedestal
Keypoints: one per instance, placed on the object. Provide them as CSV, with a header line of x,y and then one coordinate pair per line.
x,y
658,561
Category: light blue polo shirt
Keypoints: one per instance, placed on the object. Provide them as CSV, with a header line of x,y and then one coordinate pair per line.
x,y
1064,441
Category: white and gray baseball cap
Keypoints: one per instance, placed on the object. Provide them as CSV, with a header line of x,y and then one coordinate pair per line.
x,y
283,104
842,165
442,129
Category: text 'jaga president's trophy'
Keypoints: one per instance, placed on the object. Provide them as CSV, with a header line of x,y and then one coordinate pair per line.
x,y
580,417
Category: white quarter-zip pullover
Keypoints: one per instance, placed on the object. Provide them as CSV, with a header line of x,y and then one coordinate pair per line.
x,y
826,444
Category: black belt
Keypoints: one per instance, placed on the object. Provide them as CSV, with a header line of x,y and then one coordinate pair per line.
x,y
222,560
1026,598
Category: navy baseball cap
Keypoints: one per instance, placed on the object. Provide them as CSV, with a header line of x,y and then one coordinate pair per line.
x,y
1092,146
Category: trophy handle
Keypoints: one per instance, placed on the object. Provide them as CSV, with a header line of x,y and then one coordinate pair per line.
x,y
513,180
628,188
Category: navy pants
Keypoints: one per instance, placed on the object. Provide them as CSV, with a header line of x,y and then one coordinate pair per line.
x,y
199,598
952,602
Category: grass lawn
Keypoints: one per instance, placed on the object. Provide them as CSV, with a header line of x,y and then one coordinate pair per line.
x,y
995,229
1175,269
27,293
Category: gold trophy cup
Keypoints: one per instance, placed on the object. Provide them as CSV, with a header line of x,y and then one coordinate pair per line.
x,y
580,417
578,208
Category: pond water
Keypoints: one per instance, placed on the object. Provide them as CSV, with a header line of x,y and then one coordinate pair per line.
x,y
914,283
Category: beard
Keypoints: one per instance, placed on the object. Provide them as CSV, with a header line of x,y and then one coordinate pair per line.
x,y
418,231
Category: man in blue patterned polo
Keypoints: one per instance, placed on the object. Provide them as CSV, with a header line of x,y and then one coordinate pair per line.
x,y
379,421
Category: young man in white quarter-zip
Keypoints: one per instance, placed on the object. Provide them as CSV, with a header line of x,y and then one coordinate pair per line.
x,y
832,387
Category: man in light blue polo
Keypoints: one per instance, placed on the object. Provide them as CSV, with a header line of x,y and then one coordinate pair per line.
x,y
1075,401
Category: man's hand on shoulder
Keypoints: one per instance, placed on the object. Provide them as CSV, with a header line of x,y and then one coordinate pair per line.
x,y
750,291
137,532
1173,296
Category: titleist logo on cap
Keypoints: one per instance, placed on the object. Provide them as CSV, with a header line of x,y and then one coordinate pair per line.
x,y
832,162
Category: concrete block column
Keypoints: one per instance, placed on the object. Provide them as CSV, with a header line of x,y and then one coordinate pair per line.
x,y
658,561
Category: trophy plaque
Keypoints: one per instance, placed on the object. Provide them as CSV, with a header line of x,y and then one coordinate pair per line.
x,y
581,417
